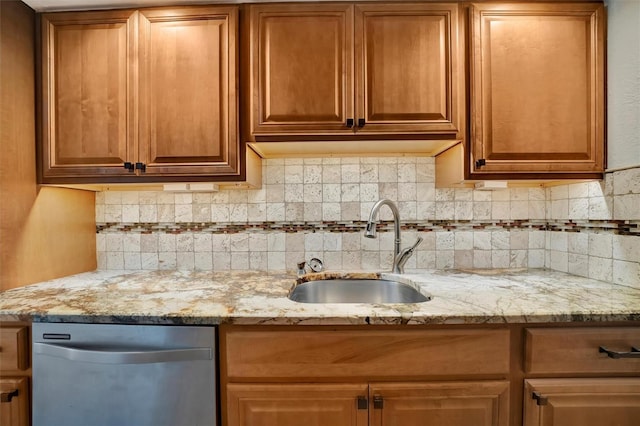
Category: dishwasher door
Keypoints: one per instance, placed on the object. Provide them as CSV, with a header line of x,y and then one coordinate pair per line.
x,y
119,375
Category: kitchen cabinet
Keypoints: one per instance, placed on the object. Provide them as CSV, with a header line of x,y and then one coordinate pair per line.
x,y
386,375
560,394
585,402
338,71
297,404
140,96
14,375
537,97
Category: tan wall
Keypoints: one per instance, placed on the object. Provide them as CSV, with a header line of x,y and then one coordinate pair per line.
x,y
43,234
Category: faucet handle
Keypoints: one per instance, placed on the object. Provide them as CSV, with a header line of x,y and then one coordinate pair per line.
x,y
416,244
405,254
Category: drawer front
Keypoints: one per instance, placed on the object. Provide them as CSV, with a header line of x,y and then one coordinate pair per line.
x,y
577,350
14,348
365,354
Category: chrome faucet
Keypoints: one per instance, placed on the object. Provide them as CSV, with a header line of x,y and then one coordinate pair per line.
x,y
400,257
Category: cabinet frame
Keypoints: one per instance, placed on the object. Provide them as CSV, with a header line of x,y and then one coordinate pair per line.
x,y
134,148
353,77
481,160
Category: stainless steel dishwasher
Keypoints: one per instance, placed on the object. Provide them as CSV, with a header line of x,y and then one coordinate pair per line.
x,y
123,375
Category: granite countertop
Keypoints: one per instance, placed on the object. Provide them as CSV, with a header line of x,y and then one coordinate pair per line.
x,y
188,297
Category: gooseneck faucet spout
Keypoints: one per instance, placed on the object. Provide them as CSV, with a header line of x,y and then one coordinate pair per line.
x,y
399,258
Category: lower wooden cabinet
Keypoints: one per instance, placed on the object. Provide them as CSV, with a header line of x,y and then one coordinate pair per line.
x,y
480,403
14,401
296,404
473,375
583,402
15,398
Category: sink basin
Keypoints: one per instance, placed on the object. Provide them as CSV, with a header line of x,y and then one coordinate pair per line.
x,y
356,291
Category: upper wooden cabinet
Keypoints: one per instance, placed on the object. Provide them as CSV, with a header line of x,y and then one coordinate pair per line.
x,y
335,69
537,90
154,90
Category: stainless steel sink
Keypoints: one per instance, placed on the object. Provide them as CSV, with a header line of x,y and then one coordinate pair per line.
x,y
356,291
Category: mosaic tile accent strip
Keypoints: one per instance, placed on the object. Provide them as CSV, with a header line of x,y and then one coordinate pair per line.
x,y
619,227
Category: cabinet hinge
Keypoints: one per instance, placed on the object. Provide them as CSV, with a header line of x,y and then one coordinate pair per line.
x,y
363,403
540,400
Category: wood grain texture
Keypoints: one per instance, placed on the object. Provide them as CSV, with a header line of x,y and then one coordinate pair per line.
x,y
295,404
14,348
357,354
584,402
15,412
537,88
301,68
575,350
88,86
482,403
43,234
409,75
188,99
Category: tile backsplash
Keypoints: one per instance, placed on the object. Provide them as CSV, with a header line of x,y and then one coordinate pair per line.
x,y
316,207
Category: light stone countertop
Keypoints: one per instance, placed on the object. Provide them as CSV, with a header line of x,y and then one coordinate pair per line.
x,y
188,297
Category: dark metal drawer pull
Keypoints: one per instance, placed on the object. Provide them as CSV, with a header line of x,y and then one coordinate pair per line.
x,y
634,353
8,396
540,400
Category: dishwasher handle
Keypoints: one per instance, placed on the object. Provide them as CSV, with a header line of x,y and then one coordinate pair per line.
x,y
142,356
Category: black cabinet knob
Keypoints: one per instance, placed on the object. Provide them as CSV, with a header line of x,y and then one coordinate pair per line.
x,y
361,122
129,166
349,122
141,166
481,162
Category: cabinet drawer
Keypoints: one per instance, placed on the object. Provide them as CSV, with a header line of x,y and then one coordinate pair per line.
x,y
13,348
14,403
576,350
365,354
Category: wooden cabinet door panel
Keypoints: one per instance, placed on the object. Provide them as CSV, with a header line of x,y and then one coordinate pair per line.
x,y
407,75
14,348
584,402
295,404
435,404
188,91
14,404
88,83
301,68
538,87
577,350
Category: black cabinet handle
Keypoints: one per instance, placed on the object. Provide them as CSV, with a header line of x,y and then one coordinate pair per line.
x,y
363,403
141,166
349,122
8,396
361,122
634,353
481,162
540,399
129,166
378,402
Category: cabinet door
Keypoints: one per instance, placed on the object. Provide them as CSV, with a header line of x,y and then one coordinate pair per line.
x,y
408,74
188,78
88,116
296,404
301,69
537,90
584,402
14,402
436,404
